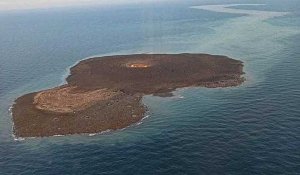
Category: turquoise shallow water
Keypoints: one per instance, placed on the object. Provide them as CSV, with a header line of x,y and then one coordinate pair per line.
x,y
252,129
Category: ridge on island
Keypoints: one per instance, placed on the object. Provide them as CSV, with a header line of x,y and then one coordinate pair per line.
x,y
105,93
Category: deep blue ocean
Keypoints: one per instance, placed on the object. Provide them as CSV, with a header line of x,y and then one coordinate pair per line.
x,y
251,129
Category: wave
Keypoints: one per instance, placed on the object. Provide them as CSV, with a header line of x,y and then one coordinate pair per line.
x,y
179,96
19,138
99,133
141,121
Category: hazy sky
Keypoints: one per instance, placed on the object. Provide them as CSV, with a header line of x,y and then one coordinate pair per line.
x,y
36,4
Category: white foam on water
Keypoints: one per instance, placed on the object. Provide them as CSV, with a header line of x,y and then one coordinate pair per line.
x,y
19,138
99,133
141,121
10,109
13,126
178,96
59,135
68,69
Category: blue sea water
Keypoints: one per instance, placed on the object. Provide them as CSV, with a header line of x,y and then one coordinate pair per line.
x,y
251,129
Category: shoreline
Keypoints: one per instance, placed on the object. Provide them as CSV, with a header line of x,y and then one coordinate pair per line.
x,y
105,93
15,138
19,139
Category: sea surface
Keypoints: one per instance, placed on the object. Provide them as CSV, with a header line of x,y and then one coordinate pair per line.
x,y
251,129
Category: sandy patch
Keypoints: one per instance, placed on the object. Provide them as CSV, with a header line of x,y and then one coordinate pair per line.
x,y
69,99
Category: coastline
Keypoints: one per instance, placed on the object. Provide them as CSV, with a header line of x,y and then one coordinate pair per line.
x,y
55,120
15,138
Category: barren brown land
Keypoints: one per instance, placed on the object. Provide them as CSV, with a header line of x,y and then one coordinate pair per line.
x,y
105,93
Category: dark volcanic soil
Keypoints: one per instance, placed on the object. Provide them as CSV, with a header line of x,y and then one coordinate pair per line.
x,y
105,93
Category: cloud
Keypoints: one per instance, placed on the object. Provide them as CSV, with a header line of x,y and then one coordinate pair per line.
x,y
38,4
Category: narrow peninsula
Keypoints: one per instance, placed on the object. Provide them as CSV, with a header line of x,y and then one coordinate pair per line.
x,y
106,93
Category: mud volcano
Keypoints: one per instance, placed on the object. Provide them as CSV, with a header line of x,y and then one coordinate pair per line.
x,y
105,93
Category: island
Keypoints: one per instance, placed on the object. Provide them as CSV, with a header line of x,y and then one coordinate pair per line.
x,y
105,93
